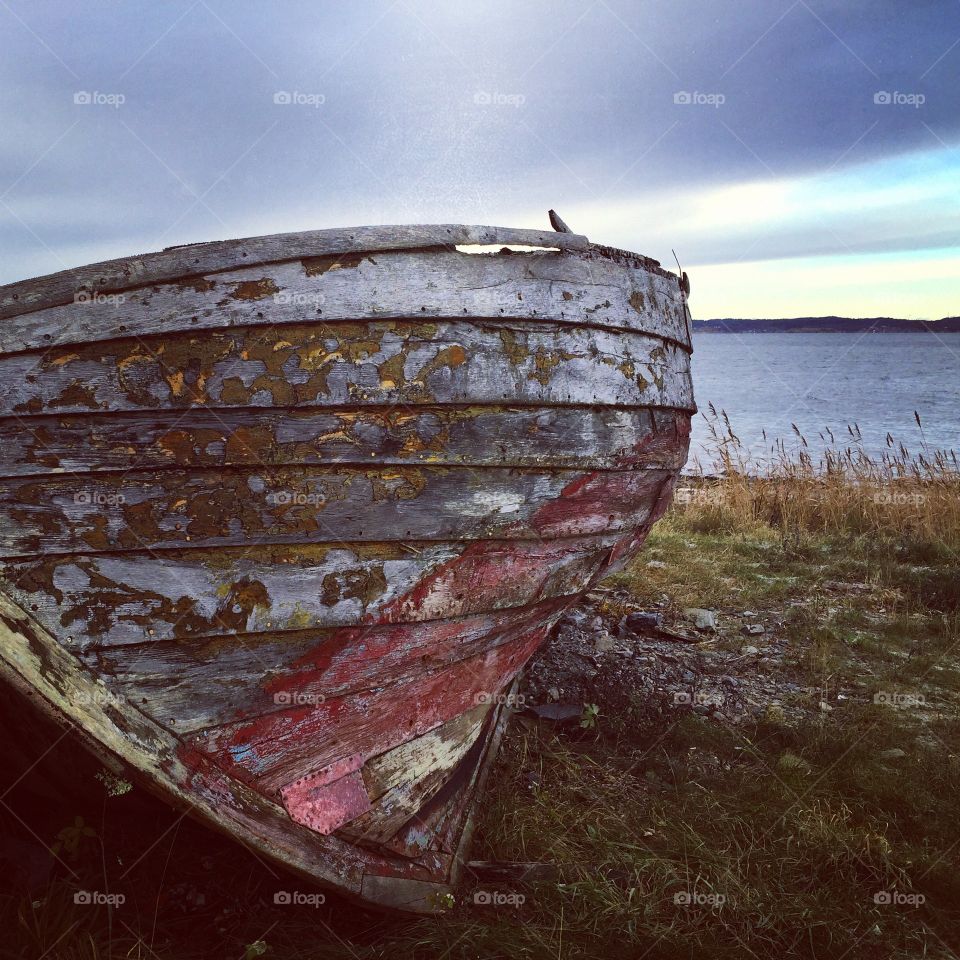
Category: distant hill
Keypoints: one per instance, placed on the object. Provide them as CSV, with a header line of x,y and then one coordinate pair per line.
x,y
826,325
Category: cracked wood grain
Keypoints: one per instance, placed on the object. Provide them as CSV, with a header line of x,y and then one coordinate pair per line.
x,y
595,438
399,363
200,258
395,284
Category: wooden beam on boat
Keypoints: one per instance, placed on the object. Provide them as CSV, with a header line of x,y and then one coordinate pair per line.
x,y
402,781
434,284
395,363
136,511
188,685
103,600
201,258
584,437
277,750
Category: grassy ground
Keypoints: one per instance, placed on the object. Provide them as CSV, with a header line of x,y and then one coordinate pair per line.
x,y
830,833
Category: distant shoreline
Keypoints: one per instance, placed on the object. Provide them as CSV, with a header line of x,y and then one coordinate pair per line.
x,y
828,325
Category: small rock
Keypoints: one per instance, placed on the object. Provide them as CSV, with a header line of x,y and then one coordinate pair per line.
x,y
553,694
603,642
749,651
558,712
753,629
702,619
641,621
748,614
825,707
894,753
656,564
847,587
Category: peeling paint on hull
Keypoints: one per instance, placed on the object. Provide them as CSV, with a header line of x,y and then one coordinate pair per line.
x,y
281,530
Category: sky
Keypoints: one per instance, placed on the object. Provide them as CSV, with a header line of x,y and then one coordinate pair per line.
x,y
801,157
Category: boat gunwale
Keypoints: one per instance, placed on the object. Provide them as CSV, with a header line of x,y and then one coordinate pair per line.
x,y
120,274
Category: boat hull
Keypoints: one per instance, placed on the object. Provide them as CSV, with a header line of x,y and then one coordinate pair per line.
x,y
282,519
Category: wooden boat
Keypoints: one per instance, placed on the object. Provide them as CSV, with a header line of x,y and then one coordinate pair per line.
x,y
282,518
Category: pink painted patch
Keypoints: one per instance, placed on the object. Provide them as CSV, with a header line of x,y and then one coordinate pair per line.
x,y
328,798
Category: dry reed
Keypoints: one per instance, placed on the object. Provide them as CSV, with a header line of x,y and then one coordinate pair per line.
x,y
842,489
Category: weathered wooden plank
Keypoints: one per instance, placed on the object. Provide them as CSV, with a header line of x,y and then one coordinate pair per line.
x,y
251,507
443,824
583,437
276,750
132,598
410,896
400,781
460,836
33,660
399,284
623,551
188,685
434,828
201,258
386,362
396,780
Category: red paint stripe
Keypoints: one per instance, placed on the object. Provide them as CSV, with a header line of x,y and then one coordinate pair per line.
x,y
277,741
271,750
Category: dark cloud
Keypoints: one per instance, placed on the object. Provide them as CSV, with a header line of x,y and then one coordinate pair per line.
x,y
427,111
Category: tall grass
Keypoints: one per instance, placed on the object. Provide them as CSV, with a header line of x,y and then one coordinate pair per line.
x,y
841,489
